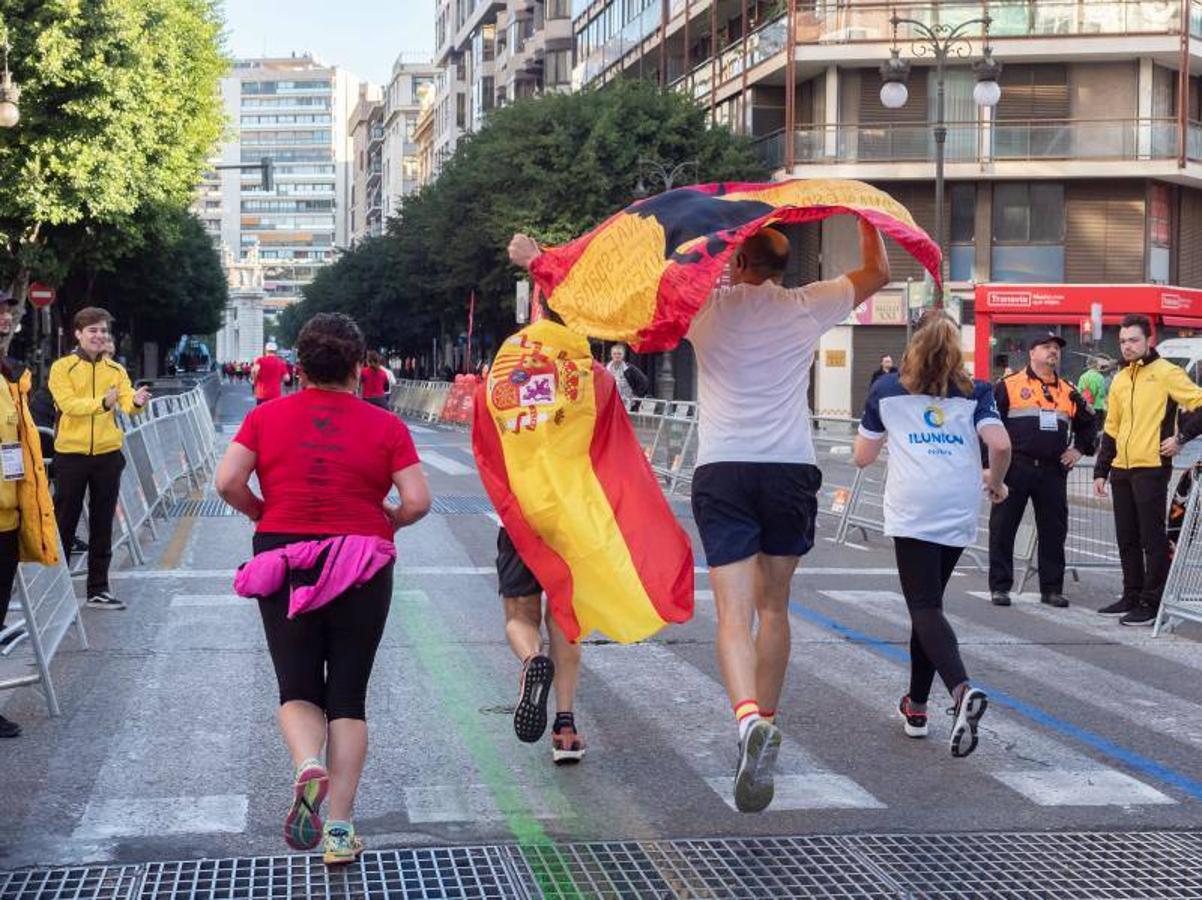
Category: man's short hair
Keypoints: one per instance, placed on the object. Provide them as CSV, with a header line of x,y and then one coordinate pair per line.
x,y
766,252
1135,320
92,315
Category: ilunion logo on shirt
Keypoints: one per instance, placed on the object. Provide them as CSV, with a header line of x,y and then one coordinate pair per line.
x,y
933,417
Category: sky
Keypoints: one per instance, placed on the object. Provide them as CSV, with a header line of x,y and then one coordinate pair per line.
x,y
364,36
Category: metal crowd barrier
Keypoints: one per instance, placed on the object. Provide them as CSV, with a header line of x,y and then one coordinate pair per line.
x,y
420,399
1182,597
173,442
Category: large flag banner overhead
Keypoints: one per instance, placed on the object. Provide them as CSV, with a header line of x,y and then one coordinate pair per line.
x,y
642,275
564,469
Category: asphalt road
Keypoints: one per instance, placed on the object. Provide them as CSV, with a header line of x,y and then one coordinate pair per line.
x,y
167,748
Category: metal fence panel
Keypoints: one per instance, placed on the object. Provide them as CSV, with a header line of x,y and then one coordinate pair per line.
x,y
1182,598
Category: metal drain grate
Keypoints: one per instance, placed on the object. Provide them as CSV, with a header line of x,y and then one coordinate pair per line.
x,y
205,509
460,872
451,505
812,867
94,883
1077,865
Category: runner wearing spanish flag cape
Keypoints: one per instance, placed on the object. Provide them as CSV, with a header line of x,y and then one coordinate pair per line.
x,y
584,519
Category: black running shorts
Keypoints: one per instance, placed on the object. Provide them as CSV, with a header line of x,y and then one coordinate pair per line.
x,y
745,508
513,575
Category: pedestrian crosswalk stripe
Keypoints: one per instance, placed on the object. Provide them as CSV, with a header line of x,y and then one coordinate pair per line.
x,y
679,700
121,817
419,429
444,463
211,600
1144,706
1060,787
878,686
1174,648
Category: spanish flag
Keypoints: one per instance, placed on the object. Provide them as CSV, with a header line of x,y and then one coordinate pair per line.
x,y
643,274
564,469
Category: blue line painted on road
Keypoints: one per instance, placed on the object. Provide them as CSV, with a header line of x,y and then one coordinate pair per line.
x,y
1121,754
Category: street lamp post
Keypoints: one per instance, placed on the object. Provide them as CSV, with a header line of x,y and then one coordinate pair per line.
x,y
10,95
940,42
665,379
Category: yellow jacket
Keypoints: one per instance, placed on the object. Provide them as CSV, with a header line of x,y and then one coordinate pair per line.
x,y
78,386
1143,403
25,504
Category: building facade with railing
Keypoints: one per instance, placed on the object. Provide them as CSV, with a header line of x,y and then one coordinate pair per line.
x,y
1088,170
491,52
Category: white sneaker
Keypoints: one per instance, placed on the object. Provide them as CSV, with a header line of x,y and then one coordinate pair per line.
x,y
968,713
105,600
754,787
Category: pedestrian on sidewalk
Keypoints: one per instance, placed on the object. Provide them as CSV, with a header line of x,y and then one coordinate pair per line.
x,y
631,381
373,381
1051,427
1142,435
88,389
886,368
1094,386
268,374
326,463
28,532
935,414
756,484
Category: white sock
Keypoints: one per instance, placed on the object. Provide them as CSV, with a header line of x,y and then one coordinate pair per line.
x,y
745,725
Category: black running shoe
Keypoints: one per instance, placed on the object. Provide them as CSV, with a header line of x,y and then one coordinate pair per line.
x,y
530,716
754,785
999,598
1139,616
104,600
967,714
9,728
915,723
1120,607
1054,599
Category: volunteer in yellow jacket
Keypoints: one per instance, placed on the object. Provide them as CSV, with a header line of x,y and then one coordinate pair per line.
x,y
27,529
87,389
1141,438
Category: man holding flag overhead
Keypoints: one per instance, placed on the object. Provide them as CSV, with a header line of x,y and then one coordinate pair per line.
x,y
756,482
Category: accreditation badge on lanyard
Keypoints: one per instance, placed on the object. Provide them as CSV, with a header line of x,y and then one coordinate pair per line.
x,y
12,461
1048,420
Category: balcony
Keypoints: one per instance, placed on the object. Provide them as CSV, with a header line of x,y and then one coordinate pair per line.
x,y
376,134
984,142
836,23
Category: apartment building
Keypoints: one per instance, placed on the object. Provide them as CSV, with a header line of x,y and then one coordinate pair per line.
x,y
1087,171
410,92
490,52
294,111
366,130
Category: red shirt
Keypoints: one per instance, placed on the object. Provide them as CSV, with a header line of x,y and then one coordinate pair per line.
x,y
272,370
374,381
325,462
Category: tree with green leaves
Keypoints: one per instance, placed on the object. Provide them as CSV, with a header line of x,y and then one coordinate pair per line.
x,y
119,111
552,166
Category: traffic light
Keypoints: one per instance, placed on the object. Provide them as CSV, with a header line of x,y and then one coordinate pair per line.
x,y
268,167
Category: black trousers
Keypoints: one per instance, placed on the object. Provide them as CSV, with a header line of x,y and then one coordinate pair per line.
x,y
1046,487
1140,496
9,556
99,477
925,569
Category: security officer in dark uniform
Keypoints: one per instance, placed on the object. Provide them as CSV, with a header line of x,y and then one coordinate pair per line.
x,y
1042,413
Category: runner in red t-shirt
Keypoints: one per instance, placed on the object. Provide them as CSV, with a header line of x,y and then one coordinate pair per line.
x,y
326,463
268,375
373,381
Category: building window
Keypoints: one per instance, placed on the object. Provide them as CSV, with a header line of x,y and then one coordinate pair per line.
x,y
1160,230
962,236
1028,231
557,9
558,69
461,110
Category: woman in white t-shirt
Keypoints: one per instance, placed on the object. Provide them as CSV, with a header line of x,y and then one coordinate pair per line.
x,y
934,414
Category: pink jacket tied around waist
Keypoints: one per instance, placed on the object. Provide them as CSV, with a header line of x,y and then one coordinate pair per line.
x,y
316,571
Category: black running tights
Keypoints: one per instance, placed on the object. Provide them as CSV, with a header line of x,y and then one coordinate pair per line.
x,y
924,568
326,656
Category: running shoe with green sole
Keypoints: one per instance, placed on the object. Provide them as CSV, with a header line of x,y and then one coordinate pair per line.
x,y
754,786
302,827
340,844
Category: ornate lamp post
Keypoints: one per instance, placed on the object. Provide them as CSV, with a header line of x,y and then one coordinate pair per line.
x,y
940,42
665,380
